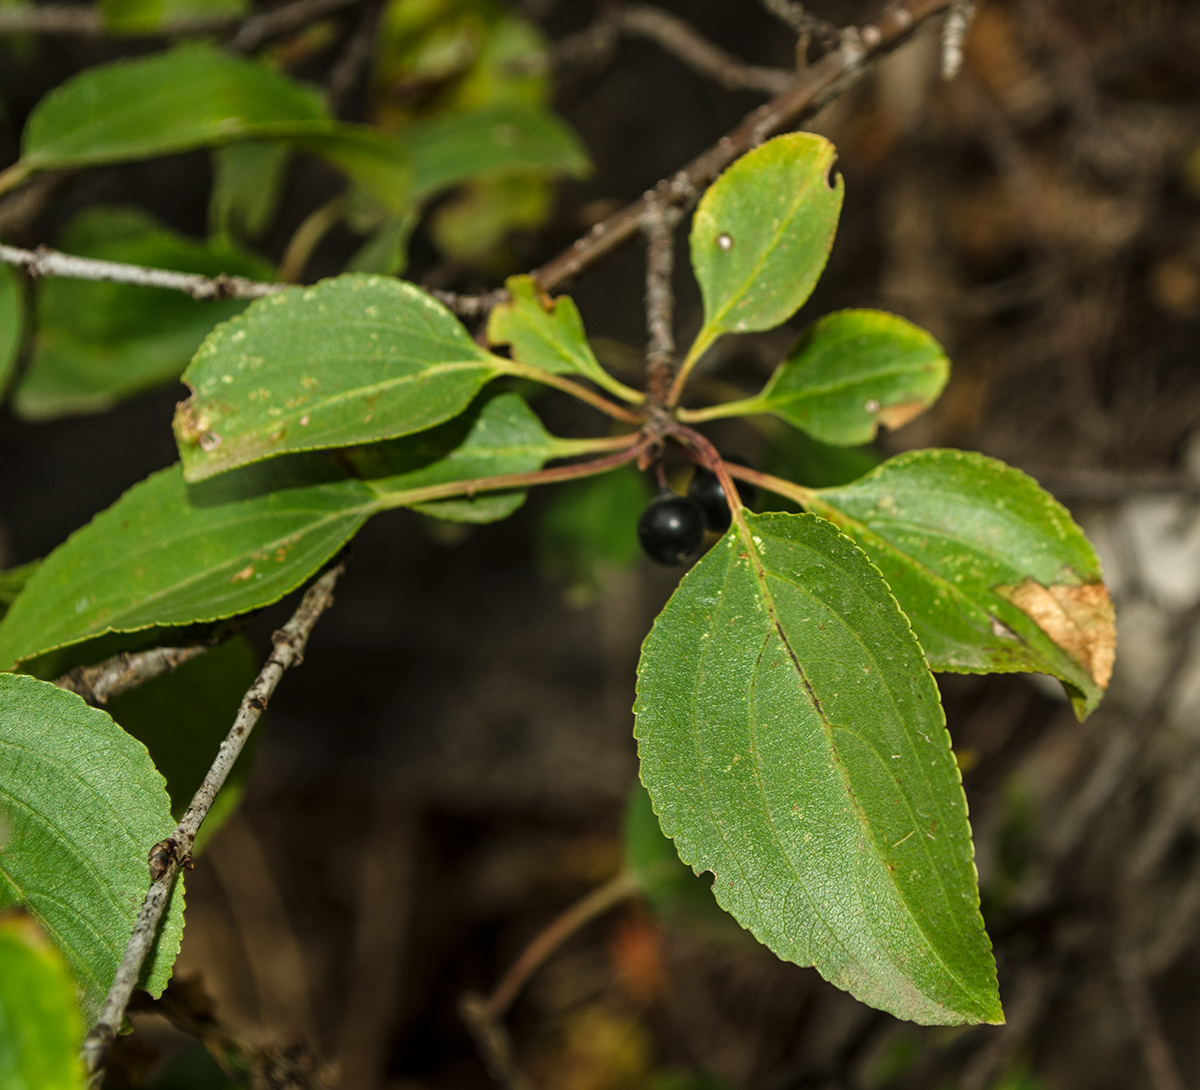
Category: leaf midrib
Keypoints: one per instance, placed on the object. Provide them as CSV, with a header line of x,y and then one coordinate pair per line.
x,y
718,319
110,623
827,729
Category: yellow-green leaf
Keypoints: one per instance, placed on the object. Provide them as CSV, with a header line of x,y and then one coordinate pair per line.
x,y
991,569
761,235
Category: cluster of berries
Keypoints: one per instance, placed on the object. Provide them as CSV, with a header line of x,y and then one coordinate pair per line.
x,y
672,527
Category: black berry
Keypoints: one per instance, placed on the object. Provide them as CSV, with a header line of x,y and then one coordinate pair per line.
x,y
705,488
671,528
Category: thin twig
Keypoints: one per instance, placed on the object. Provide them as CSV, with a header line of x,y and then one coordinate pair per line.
x,y
811,89
681,39
660,300
803,23
353,60
98,684
170,854
282,21
484,1016
492,1039
47,262
20,209
582,912
469,306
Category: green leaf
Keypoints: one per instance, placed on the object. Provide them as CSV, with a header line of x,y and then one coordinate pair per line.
x,y
12,321
12,582
83,806
848,373
97,343
197,96
680,898
497,436
500,139
548,334
247,186
188,97
992,571
473,225
351,360
386,251
40,1027
183,717
165,554
792,739
589,525
761,235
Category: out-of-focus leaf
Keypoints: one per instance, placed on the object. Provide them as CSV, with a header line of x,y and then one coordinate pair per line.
x,y
40,1027
182,717
247,185
498,140
471,226
792,739
197,96
96,342
165,554
351,360
12,321
848,373
454,55
761,235
548,334
82,806
12,582
145,16
386,251
992,570
589,525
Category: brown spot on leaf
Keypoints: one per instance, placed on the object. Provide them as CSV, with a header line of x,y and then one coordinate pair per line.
x,y
190,424
1080,619
243,575
896,416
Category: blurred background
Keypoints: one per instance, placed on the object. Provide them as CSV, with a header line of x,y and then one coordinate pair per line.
x,y
450,768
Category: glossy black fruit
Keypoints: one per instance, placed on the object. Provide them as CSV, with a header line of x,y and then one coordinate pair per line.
x,y
671,528
706,490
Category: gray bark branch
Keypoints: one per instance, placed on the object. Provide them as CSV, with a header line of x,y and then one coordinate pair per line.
x,y
169,855
47,262
100,683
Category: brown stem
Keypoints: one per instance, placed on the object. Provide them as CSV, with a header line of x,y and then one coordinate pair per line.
x,y
550,938
681,39
583,393
636,443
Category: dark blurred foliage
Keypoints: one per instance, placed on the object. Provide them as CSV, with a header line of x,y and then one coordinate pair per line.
x,y
448,769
